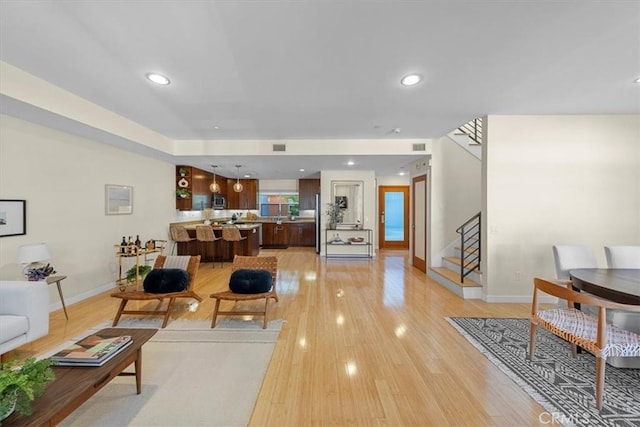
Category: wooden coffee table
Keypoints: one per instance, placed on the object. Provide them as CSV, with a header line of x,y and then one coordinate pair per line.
x,y
75,385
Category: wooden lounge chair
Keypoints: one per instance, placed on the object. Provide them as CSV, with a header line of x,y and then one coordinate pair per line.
x,y
581,329
192,269
269,264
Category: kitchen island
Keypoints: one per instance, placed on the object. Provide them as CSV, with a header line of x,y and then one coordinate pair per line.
x,y
224,251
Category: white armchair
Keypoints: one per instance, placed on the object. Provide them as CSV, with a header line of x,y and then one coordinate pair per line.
x,y
24,313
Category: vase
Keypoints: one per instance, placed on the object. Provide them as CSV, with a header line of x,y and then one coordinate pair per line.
x,y
8,404
207,222
332,226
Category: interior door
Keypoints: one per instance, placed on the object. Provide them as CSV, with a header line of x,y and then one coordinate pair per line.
x,y
419,249
393,227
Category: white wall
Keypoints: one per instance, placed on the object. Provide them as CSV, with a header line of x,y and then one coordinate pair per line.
x,y
455,193
62,178
555,180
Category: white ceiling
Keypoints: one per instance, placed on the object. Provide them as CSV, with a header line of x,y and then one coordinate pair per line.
x,y
281,70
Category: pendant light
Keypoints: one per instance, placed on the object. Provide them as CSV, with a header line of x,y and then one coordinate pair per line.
x,y
214,187
237,187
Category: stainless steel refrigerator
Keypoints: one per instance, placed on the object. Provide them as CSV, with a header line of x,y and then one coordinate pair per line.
x,y
318,217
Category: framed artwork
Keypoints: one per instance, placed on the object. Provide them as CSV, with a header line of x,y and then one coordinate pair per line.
x,y
118,199
13,217
341,201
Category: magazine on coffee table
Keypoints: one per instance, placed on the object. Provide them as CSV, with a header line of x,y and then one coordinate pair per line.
x,y
94,350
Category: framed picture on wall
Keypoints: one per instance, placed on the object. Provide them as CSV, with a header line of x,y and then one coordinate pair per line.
x,y
13,217
118,199
341,201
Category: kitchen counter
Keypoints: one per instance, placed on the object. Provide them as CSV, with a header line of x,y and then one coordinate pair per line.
x,y
240,226
273,220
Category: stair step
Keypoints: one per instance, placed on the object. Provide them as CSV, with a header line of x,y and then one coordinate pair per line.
x,y
469,250
455,277
456,260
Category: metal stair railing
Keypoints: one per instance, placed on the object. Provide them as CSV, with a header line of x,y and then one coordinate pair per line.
x,y
473,130
470,246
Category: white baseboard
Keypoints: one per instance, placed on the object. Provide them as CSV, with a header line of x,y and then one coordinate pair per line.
x,y
519,299
77,298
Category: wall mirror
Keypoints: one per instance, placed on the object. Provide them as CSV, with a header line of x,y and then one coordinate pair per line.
x,y
349,195
118,199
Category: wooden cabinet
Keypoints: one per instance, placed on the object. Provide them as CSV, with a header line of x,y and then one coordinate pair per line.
x,y
247,198
249,195
307,190
195,182
302,234
275,235
201,197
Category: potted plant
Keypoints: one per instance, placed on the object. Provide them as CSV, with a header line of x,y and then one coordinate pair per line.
x,y
143,270
22,383
184,193
182,171
335,213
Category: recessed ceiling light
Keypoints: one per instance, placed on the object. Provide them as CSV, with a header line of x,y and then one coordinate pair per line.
x,y
216,127
411,79
351,163
247,175
402,173
158,79
637,80
301,170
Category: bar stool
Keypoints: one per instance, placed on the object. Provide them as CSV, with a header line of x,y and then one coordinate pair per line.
x,y
179,234
205,235
232,235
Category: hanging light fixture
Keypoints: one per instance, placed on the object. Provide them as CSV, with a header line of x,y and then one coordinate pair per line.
x,y
237,187
214,187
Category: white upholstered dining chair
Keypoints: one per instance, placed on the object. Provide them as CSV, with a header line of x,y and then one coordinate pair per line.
x,y
624,257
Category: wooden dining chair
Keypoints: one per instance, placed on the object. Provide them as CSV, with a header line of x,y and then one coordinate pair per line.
x,y
591,333
190,263
269,264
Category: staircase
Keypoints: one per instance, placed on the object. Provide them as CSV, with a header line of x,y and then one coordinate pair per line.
x,y
460,270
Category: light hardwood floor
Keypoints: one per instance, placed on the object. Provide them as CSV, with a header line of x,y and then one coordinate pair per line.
x,y
364,342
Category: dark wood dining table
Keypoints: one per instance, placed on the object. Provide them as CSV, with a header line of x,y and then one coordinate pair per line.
x,y
621,285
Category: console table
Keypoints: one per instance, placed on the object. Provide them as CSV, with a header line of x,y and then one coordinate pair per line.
x,y
340,243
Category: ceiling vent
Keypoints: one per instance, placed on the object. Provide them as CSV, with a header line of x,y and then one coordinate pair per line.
x,y
279,147
419,147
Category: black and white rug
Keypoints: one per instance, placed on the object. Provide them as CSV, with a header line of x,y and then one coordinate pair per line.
x,y
562,385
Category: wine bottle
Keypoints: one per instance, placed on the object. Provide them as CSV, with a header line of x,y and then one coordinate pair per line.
x,y
123,245
138,243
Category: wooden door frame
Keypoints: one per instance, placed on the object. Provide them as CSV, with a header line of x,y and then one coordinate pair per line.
x,y
406,190
417,262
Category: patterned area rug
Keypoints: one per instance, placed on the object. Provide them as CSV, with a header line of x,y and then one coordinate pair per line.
x,y
562,385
